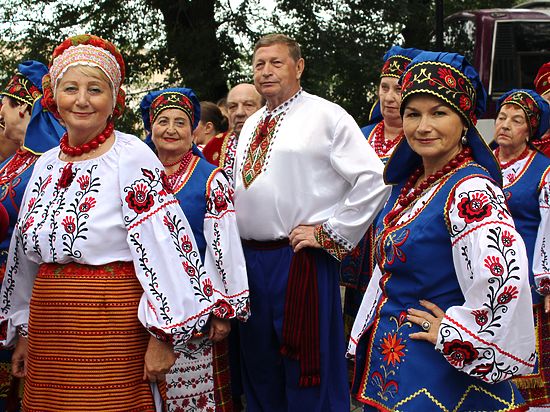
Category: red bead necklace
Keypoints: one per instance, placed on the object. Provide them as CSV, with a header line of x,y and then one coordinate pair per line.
x,y
174,163
509,163
16,165
382,145
184,164
407,195
86,147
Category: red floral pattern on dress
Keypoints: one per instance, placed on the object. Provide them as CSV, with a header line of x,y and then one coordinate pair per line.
x,y
507,239
83,181
474,208
28,223
219,201
493,264
392,348
186,244
87,204
509,293
223,310
459,353
481,316
207,287
139,198
69,224
544,286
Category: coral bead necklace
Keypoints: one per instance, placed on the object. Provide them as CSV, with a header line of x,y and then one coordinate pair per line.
x,y
86,147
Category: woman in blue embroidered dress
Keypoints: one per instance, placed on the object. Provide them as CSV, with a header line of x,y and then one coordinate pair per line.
x,y
449,303
200,377
33,131
522,116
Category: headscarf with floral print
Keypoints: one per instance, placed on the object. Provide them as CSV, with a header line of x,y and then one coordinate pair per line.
x,y
534,107
452,79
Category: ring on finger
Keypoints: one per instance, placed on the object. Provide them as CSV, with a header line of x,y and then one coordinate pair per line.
x,y
426,325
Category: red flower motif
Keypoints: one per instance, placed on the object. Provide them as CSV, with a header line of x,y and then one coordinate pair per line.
x,y
511,177
31,203
507,239
190,270
474,209
28,224
219,201
202,401
465,103
459,353
509,293
67,176
84,182
87,204
165,181
482,370
493,264
186,244
544,286
223,310
480,316
168,224
69,224
392,349
406,80
140,199
447,77
207,287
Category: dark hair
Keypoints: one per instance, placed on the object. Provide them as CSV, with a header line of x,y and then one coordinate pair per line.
x,y
277,38
17,103
212,113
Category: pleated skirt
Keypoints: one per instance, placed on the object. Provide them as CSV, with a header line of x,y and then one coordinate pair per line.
x,y
86,345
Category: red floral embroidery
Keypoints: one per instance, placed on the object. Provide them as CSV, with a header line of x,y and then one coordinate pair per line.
x,y
87,204
544,286
67,176
465,103
480,316
392,349
447,77
509,293
223,310
165,181
190,270
474,209
202,401
84,182
459,353
219,201
186,244
69,224
168,224
140,199
32,201
493,264
207,287
28,224
482,370
507,239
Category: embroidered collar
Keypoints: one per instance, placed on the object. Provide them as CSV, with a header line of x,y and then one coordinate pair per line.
x,y
283,106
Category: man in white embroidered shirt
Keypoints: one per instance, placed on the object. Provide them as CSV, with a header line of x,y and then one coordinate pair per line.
x,y
307,186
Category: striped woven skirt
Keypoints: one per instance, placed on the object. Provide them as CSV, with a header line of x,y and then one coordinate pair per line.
x,y
86,345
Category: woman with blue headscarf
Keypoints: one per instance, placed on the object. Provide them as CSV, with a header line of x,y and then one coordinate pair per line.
x,y
34,131
521,119
449,306
200,377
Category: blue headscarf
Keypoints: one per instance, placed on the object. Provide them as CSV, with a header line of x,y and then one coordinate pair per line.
x,y
450,78
172,98
536,109
43,131
396,61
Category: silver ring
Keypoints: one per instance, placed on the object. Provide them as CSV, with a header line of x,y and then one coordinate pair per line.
x,y
426,325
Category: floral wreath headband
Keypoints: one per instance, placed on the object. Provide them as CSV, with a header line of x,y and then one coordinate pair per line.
x,y
395,66
171,100
86,50
529,106
443,81
22,89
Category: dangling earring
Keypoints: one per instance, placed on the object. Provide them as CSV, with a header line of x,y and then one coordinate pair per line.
x,y
463,139
21,115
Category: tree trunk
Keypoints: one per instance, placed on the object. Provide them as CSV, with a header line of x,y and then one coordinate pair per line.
x,y
191,37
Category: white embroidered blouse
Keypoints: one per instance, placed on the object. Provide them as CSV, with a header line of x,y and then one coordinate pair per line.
x,y
115,208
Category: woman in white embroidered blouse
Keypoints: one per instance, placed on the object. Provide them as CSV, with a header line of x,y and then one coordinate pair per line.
x,y
103,276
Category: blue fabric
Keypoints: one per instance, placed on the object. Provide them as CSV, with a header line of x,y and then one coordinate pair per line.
x,y
542,104
44,130
522,198
422,244
192,199
398,50
271,380
147,100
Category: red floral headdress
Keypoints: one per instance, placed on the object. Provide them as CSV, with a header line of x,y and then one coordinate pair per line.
x,y
542,81
116,76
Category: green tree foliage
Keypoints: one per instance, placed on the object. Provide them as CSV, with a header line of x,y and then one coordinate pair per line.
x,y
206,44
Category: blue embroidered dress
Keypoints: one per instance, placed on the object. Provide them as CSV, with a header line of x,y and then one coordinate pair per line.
x,y
455,246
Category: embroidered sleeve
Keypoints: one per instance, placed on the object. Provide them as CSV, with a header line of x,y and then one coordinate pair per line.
x,y
329,240
357,163
541,258
491,335
224,258
177,300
